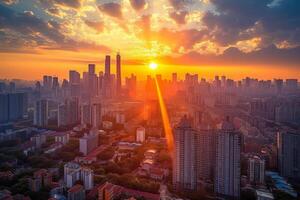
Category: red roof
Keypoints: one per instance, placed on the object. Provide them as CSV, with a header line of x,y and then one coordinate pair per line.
x,y
75,188
135,193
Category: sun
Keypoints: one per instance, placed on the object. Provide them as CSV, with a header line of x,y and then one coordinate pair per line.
x,y
152,65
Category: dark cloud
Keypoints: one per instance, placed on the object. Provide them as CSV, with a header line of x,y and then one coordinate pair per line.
x,y
233,56
9,2
68,3
26,31
236,20
178,4
179,16
138,4
98,26
112,9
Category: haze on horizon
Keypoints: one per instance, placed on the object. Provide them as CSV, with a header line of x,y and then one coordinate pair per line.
x,y
259,38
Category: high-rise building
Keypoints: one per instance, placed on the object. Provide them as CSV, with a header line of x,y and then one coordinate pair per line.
x,y
118,70
71,173
87,177
13,106
92,68
288,145
205,146
41,113
74,77
140,134
228,172
184,162
96,115
4,108
86,114
107,65
88,142
256,170
74,172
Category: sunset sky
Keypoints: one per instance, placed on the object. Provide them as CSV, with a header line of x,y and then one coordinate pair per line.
x,y
259,38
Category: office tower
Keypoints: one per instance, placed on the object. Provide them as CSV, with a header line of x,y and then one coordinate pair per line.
x,y
55,84
4,108
92,68
68,112
291,85
227,174
96,115
62,118
88,142
71,173
62,137
41,113
256,170
118,70
278,84
288,145
13,106
130,83
184,162
2,87
87,177
205,146
107,65
86,114
174,77
74,77
140,134
12,87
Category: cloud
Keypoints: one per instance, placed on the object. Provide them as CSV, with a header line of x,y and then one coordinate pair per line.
x,y
234,20
112,9
98,26
233,56
178,4
9,2
138,4
27,31
75,4
179,16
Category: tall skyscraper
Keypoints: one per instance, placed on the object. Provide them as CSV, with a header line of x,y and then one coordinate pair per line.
x,y
256,170
13,106
92,68
184,162
74,77
96,115
41,113
107,65
228,172
118,70
288,145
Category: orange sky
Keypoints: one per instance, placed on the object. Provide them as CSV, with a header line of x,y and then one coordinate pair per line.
x,y
52,37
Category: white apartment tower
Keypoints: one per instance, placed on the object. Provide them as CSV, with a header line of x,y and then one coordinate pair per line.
x,y
227,174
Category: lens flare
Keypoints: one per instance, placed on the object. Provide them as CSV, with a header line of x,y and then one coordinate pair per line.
x,y
165,118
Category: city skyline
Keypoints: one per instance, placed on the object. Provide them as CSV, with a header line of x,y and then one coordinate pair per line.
x,y
149,99
199,36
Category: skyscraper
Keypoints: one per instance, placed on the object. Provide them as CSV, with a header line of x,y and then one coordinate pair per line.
x,y
118,70
107,65
184,162
13,106
256,170
227,177
288,145
41,113
74,77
